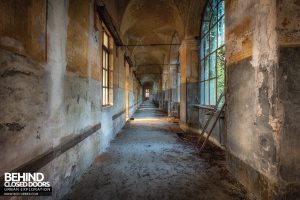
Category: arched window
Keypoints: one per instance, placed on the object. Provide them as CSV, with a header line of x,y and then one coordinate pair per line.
x,y
212,53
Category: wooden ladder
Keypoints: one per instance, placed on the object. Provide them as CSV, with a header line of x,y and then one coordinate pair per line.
x,y
212,113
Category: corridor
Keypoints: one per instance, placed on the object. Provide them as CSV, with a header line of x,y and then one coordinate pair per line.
x,y
106,99
147,160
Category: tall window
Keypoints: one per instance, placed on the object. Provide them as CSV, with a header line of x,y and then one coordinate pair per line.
x,y
212,53
107,82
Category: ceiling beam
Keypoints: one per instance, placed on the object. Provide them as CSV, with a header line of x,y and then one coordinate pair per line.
x,y
149,73
152,65
147,45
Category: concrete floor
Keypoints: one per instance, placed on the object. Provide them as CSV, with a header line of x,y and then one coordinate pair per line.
x,y
147,160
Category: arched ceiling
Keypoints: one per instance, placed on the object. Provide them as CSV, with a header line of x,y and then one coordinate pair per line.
x,y
156,22
150,22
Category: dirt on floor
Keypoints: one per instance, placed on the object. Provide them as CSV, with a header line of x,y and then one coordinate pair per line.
x,y
151,158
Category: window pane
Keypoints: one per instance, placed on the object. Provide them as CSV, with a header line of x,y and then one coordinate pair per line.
x,y
207,14
206,92
205,27
213,3
220,71
105,39
202,51
212,92
214,17
106,78
221,32
213,39
106,60
206,68
202,93
220,9
103,58
207,44
103,78
212,68
202,70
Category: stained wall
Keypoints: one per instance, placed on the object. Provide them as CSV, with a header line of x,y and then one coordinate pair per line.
x,y
260,69
52,118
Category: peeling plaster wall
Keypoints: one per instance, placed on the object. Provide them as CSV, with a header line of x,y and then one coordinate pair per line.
x,y
260,127
49,104
288,26
251,70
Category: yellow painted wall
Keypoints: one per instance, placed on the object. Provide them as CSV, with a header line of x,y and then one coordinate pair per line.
x,y
23,27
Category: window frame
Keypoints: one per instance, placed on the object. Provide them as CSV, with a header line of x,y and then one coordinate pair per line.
x,y
106,69
206,82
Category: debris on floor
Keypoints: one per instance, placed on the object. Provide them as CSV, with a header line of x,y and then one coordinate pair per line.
x,y
148,160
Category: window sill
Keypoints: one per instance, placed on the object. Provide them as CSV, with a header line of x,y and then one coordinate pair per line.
x,y
210,108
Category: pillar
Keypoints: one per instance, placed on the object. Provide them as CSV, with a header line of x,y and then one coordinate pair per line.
x,y
189,87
